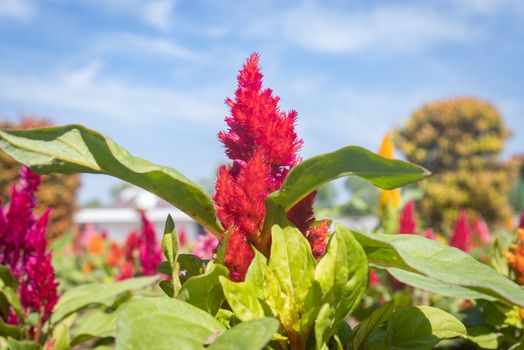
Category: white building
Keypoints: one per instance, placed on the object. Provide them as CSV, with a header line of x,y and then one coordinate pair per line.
x,y
122,217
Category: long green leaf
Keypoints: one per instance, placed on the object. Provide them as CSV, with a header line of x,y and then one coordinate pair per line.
x,y
439,287
342,274
352,160
439,262
75,148
164,324
80,297
252,335
363,330
422,327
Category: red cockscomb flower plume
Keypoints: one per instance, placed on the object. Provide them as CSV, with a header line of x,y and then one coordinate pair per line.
x,y
521,224
408,221
150,252
23,249
461,236
263,145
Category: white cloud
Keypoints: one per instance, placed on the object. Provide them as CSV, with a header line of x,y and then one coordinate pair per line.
x,y
128,43
157,13
383,28
19,10
82,93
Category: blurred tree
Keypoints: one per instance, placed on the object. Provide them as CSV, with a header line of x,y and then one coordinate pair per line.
x,y
57,191
326,196
460,141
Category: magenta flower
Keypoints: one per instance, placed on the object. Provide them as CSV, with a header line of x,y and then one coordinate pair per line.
x,y
408,221
461,236
263,145
521,225
150,252
205,246
23,249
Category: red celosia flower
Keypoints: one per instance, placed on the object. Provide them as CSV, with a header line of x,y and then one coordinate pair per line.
x,y
127,270
23,248
150,250
182,237
408,222
141,250
521,225
263,145
480,227
461,236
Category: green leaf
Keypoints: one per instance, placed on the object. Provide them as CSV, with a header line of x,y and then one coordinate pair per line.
x,y
252,335
436,286
221,253
255,273
439,262
484,337
170,250
93,324
170,241
342,274
6,278
167,287
163,324
421,328
60,335
292,263
13,344
314,172
7,330
242,298
80,297
12,299
364,329
323,326
77,149
191,265
205,291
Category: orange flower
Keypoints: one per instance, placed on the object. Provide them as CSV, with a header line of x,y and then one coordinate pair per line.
x,y
115,255
95,244
388,198
515,257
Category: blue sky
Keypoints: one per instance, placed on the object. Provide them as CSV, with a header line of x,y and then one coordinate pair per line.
x,y
153,74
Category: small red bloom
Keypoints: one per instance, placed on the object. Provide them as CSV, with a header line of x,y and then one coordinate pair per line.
x,y
408,222
521,225
461,236
373,279
150,252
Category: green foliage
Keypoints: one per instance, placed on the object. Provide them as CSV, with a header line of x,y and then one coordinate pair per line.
x,y
75,148
459,140
164,323
253,335
440,263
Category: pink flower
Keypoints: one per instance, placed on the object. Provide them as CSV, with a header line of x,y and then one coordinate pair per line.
x,y
480,227
373,279
23,248
182,237
461,236
428,233
521,225
205,246
408,222
263,145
